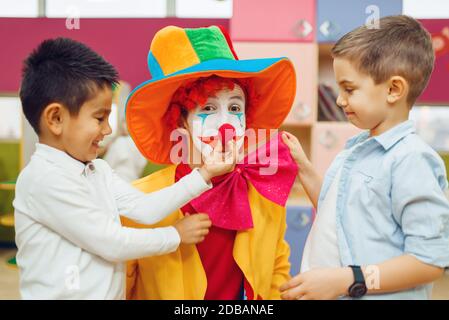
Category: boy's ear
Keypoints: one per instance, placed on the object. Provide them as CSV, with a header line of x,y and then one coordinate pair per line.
x,y
53,118
398,89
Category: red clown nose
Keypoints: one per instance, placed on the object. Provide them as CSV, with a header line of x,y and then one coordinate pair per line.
x,y
227,132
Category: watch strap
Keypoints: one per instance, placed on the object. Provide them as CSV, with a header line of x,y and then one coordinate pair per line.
x,y
358,274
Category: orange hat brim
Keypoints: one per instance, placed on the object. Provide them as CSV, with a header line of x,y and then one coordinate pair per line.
x,y
147,104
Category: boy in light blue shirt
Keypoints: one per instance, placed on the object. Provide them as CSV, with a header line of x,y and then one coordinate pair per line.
x,y
382,228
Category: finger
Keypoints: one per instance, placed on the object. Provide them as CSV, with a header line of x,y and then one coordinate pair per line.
x,y
203,217
229,146
284,296
293,282
201,229
236,152
287,296
202,232
288,135
205,224
204,221
217,154
294,293
292,138
218,148
233,154
230,159
207,156
284,287
287,140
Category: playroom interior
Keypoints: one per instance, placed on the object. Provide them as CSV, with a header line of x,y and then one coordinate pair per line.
x,y
302,30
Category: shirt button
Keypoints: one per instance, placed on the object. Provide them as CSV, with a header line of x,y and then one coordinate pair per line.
x,y
91,167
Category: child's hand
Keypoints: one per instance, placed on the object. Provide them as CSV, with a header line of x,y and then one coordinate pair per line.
x,y
193,228
218,162
296,150
318,284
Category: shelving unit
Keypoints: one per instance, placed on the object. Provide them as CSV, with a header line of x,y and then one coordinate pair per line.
x,y
7,219
304,31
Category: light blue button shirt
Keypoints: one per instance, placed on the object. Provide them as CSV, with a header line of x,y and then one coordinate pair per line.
x,y
391,202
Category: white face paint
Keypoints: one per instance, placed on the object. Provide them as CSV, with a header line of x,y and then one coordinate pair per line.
x,y
226,107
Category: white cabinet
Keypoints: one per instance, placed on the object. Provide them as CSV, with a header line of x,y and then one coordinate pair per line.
x,y
106,9
204,9
10,110
430,9
19,8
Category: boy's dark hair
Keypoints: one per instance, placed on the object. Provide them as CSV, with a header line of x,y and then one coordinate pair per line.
x,y
400,46
64,71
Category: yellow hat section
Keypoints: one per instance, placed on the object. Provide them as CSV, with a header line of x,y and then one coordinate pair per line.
x,y
179,56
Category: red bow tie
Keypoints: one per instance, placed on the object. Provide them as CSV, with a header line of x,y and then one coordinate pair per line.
x,y
271,174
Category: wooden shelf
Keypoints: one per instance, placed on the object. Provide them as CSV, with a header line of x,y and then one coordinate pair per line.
x,y
10,186
7,220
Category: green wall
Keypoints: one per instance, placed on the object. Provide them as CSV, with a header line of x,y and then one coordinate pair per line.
x,y
9,170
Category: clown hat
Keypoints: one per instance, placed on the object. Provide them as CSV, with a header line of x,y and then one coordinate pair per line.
x,y
180,55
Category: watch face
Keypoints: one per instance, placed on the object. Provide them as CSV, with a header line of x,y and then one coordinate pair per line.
x,y
357,290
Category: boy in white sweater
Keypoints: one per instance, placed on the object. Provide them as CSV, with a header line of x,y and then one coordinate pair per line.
x,y
70,241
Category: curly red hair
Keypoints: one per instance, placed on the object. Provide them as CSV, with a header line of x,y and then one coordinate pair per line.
x,y
197,92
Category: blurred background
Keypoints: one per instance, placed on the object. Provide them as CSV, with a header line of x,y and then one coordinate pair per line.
x,y
121,31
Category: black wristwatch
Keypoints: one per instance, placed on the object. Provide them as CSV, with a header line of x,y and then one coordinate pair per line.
x,y
358,289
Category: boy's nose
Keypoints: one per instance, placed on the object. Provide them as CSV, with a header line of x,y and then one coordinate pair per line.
x,y
107,129
341,102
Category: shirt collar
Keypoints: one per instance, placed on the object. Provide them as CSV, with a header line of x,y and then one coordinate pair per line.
x,y
357,139
62,159
388,138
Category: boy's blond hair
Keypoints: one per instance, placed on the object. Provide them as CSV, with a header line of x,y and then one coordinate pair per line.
x,y
400,46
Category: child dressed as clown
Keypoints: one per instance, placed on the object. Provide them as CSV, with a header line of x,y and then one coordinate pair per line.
x,y
202,93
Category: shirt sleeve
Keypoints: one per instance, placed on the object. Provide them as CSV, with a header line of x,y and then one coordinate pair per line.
x,y
64,205
421,207
153,207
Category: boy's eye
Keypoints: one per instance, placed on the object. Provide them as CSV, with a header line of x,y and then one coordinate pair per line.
x,y
349,90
